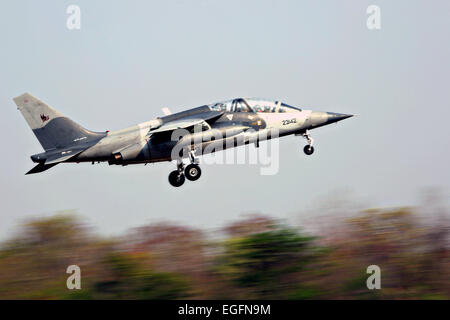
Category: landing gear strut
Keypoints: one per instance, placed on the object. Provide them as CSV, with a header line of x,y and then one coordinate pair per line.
x,y
308,149
192,171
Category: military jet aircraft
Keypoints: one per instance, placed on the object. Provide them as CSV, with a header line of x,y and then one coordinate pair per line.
x,y
205,129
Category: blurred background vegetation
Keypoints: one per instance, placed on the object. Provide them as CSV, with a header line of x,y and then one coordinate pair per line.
x,y
257,257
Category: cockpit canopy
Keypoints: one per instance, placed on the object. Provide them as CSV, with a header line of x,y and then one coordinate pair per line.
x,y
253,105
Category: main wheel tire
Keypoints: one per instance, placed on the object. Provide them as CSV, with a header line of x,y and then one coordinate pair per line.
x,y
309,150
176,179
192,172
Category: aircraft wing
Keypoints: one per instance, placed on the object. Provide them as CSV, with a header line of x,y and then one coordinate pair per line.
x,y
177,124
187,121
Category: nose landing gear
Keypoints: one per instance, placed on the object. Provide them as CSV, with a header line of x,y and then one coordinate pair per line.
x,y
192,171
308,149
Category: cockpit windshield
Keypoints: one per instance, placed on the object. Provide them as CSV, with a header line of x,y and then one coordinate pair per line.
x,y
253,105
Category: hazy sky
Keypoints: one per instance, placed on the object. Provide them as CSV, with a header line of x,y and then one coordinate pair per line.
x,y
131,58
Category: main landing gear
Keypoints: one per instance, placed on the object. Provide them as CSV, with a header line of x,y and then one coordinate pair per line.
x,y
191,172
176,178
308,149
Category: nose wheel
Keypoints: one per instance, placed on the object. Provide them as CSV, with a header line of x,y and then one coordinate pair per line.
x,y
308,149
192,172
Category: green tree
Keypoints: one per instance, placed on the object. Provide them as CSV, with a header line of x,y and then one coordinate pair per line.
x,y
264,265
129,276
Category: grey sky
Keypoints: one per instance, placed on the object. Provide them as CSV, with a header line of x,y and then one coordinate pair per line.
x,y
131,58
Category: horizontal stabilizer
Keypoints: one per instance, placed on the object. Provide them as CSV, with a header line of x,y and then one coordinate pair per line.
x,y
61,157
41,167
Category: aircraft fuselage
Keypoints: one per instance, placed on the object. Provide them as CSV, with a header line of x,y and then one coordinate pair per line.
x,y
186,134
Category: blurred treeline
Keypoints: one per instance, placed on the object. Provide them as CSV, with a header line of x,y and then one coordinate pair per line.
x,y
256,257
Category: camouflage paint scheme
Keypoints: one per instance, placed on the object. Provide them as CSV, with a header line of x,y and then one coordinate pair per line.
x,y
242,120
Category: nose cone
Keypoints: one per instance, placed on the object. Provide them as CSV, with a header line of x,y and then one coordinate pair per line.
x,y
335,117
319,118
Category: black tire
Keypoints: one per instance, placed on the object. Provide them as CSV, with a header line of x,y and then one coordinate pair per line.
x,y
192,172
309,150
176,179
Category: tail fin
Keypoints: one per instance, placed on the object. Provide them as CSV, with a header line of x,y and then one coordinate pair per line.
x,y
52,129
